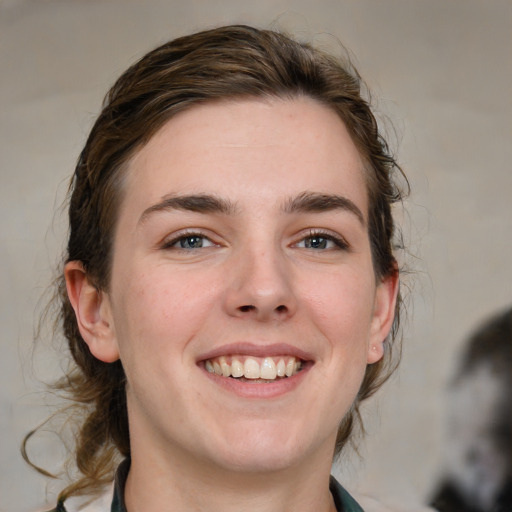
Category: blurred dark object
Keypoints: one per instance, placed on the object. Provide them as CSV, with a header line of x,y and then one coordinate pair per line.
x,y
478,456
448,499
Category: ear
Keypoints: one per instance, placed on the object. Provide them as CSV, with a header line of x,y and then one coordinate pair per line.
x,y
383,315
93,313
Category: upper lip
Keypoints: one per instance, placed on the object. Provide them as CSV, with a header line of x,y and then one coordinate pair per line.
x,y
256,350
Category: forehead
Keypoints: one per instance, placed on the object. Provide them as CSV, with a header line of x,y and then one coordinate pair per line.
x,y
248,149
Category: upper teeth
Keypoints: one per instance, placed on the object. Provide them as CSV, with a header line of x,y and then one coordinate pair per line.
x,y
268,368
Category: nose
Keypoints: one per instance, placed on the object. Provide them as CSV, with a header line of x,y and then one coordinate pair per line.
x,y
260,286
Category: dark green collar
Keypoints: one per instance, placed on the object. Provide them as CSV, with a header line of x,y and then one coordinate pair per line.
x,y
342,499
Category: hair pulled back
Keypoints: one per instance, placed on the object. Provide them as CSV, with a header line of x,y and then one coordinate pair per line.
x,y
221,64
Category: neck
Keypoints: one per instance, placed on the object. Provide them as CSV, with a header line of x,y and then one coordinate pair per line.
x,y
157,482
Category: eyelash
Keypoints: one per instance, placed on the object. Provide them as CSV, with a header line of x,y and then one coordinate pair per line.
x,y
338,240
169,244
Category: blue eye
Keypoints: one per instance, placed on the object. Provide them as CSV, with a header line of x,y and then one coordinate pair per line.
x,y
322,241
316,242
189,242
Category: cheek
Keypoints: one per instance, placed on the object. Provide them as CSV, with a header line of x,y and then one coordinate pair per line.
x,y
342,305
159,312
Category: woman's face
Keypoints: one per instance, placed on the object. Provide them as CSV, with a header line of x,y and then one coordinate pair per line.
x,y
242,249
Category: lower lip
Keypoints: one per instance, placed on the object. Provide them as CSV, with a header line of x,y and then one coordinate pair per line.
x,y
259,390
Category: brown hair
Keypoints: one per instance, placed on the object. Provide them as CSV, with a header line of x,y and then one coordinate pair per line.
x,y
219,64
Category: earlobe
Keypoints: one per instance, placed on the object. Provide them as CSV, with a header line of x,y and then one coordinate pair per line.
x,y
383,316
93,313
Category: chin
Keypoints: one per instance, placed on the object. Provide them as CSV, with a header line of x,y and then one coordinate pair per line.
x,y
258,460
267,450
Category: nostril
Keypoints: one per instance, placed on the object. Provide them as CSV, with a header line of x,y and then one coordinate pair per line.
x,y
247,308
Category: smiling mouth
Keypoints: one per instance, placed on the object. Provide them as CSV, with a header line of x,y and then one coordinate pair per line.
x,y
255,369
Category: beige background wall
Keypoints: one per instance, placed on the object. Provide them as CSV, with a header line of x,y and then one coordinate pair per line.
x,y
442,70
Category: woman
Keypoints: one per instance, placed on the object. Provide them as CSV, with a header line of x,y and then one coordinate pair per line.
x,y
229,286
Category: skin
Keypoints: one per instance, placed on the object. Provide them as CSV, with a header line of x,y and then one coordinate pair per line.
x,y
282,270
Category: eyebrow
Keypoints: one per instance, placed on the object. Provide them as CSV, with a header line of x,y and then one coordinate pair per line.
x,y
317,203
200,203
206,203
